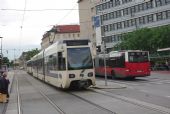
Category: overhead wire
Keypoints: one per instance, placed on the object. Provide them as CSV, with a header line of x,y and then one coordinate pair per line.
x,y
66,14
37,10
27,10
22,24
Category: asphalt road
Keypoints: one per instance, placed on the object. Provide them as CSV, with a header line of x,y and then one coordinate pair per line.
x,y
149,95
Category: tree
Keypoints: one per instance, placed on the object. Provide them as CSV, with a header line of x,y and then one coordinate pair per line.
x,y
31,53
149,39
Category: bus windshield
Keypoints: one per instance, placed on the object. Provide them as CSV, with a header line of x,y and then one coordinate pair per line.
x,y
138,56
79,58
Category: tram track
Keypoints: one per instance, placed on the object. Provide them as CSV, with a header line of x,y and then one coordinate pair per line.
x,y
157,108
18,97
56,107
79,97
20,110
92,103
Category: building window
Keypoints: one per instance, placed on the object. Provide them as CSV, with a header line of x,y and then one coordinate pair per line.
x,y
137,8
111,3
117,2
118,13
159,16
149,5
113,38
133,10
119,25
168,14
104,17
158,3
167,1
150,18
141,7
104,6
142,20
126,11
126,1
106,28
126,23
111,27
132,21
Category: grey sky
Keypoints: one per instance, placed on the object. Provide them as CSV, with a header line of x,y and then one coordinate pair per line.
x,y
34,22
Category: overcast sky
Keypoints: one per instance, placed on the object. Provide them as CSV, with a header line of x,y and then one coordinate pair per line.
x,y
24,30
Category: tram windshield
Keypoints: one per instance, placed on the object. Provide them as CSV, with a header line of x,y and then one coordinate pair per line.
x,y
79,58
138,56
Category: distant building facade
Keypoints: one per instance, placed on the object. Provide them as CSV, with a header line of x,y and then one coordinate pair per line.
x,y
59,32
86,13
121,16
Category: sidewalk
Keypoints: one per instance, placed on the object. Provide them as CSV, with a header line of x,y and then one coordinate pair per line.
x,y
161,72
109,85
10,77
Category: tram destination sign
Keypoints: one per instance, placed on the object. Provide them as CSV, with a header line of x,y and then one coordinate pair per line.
x,y
76,42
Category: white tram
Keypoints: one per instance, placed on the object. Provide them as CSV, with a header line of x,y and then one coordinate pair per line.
x,y
65,64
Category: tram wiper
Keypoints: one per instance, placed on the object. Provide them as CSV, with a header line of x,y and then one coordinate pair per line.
x,y
83,70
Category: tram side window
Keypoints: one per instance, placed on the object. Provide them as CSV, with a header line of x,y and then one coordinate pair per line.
x,y
61,61
39,65
52,62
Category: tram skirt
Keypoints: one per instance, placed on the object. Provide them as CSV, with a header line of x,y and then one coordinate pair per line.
x,y
3,98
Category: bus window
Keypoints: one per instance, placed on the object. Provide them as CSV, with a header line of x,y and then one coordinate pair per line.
x,y
138,56
117,61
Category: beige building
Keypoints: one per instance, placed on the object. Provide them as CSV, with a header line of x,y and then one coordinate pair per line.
x,y
86,12
117,17
60,32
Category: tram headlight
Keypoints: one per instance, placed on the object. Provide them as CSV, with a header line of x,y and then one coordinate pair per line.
x,y
90,74
71,75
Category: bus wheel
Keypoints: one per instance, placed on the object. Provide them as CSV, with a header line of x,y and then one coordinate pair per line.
x,y
113,74
131,78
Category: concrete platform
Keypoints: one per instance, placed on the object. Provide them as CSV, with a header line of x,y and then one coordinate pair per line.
x,y
110,85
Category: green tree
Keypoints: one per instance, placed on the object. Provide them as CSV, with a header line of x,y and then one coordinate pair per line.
x,y
31,53
149,39
5,60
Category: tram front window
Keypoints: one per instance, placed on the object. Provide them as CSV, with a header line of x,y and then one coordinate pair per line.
x,y
79,58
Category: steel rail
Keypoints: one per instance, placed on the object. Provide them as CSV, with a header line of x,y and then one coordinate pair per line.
x,y
18,97
136,102
47,98
94,104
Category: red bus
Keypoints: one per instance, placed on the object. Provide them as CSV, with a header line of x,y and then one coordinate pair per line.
x,y
123,64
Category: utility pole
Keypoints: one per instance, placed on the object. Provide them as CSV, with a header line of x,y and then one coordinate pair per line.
x,y
1,56
104,50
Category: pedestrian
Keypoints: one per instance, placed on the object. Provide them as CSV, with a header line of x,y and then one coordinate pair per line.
x,y
4,85
1,83
167,64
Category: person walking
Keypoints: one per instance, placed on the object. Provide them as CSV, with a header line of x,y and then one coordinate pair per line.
x,y
4,85
1,83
